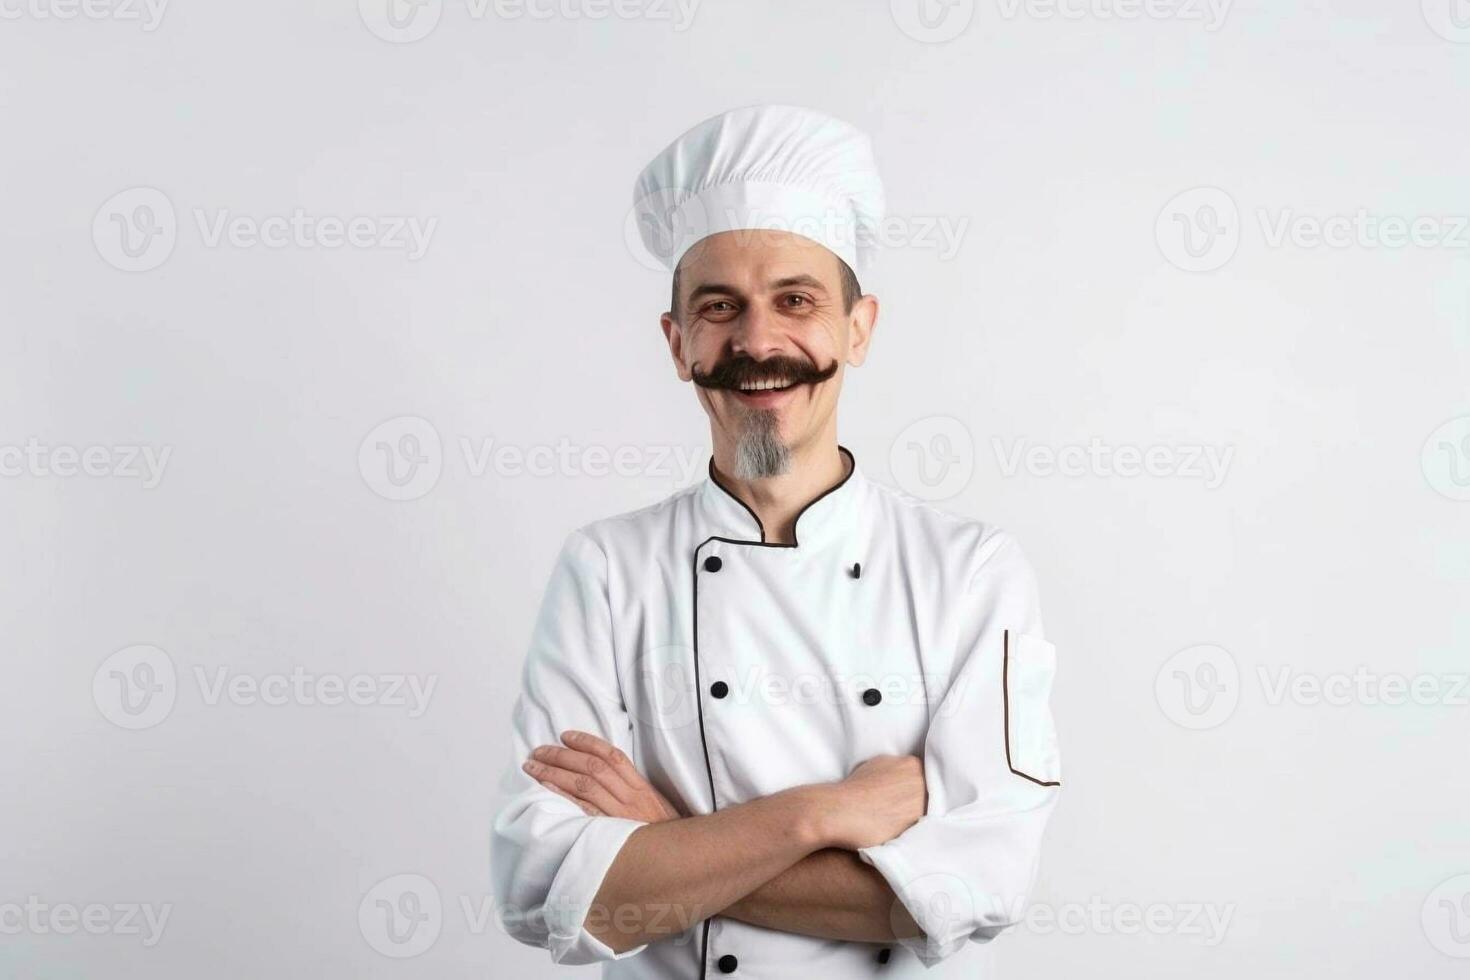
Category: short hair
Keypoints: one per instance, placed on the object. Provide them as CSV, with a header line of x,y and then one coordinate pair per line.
x,y
851,290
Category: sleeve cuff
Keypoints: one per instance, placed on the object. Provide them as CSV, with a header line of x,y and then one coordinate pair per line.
x,y
939,903
575,887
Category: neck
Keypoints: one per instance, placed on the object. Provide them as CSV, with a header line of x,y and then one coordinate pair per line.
x,y
776,500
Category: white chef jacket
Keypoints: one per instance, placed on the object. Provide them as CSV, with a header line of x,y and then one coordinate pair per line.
x,y
729,668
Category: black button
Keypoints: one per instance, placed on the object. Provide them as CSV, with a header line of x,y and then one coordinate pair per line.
x,y
857,569
712,563
727,963
883,954
719,689
872,696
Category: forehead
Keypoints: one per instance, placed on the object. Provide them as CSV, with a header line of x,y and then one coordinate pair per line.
x,y
751,258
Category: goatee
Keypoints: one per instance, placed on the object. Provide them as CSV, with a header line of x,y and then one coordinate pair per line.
x,y
759,451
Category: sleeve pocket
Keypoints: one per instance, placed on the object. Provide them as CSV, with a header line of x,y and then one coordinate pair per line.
x,y
1031,735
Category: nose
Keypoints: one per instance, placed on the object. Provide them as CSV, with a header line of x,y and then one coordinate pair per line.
x,y
757,333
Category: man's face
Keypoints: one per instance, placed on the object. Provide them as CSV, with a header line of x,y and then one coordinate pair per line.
x,y
761,330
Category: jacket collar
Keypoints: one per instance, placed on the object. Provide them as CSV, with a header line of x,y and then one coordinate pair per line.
x,y
829,516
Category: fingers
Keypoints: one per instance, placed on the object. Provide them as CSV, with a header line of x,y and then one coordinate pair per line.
x,y
597,776
587,808
591,766
615,758
578,786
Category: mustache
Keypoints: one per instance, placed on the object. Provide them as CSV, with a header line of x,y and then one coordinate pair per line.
x,y
741,369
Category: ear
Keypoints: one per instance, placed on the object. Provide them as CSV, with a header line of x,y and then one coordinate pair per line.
x,y
674,334
861,323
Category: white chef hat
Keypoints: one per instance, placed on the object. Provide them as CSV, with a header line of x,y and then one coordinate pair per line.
x,y
771,166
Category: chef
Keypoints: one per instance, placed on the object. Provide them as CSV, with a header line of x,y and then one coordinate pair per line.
x,y
786,722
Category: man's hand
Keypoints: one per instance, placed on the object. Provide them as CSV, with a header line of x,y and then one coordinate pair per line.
x,y
879,800
597,776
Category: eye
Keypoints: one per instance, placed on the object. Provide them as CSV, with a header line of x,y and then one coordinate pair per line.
x,y
795,301
719,309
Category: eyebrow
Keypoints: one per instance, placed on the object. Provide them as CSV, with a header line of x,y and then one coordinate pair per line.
x,y
717,288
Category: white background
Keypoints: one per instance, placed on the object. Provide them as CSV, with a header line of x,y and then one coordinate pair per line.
x,y
1337,539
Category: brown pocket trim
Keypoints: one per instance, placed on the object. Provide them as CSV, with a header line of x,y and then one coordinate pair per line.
x,y
1005,686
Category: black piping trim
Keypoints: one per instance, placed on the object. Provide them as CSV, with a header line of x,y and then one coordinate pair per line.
x,y
704,744
1005,693
698,686
794,524
694,605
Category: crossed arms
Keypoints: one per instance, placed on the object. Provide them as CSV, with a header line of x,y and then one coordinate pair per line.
x,y
589,862
784,861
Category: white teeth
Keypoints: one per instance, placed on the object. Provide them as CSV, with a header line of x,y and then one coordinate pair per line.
x,y
766,385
